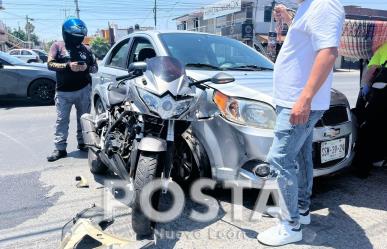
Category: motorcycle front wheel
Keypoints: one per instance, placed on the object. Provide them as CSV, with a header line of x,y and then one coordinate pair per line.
x,y
146,171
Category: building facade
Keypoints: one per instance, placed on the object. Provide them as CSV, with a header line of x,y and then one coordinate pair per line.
x,y
231,17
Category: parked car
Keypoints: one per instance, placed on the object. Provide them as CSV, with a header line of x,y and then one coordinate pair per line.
x,y
26,55
20,79
235,142
43,56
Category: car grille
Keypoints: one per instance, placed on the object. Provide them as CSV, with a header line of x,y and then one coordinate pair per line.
x,y
334,116
317,155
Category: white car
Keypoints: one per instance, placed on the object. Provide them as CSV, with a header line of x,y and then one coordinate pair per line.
x,y
26,55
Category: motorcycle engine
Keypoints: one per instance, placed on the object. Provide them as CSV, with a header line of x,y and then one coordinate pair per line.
x,y
115,143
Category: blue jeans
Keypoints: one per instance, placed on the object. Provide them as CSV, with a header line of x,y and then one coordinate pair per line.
x,y
64,102
291,157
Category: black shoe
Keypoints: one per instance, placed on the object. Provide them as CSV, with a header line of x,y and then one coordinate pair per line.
x,y
82,147
56,155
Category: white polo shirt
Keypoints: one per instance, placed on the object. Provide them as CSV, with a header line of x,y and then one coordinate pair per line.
x,y
318,24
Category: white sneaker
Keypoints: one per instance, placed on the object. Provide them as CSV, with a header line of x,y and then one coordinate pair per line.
x,y
305,217
281,234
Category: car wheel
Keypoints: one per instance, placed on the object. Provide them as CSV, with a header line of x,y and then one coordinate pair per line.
x,y
42,91
98,106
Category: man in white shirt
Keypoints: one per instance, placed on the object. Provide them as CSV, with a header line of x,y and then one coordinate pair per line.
x,y
302,84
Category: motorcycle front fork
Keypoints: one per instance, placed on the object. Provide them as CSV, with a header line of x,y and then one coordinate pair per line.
x,y
169,154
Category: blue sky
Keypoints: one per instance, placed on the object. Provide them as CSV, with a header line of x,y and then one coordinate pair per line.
x,y
49,14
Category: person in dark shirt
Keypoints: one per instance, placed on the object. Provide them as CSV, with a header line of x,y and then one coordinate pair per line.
x,y
73,62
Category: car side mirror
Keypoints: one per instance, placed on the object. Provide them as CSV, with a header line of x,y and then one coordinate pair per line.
x,y
137,67
222,78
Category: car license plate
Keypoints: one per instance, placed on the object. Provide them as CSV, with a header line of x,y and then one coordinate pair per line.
x,y
332,150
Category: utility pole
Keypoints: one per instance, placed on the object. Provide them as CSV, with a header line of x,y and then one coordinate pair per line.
x,y
77,8
29,28
155,13
65,12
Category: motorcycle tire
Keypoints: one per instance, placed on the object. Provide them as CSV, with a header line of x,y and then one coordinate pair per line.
x,y
96,165
146,171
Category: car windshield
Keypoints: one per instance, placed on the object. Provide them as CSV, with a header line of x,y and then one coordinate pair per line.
x,y
10,59
210,52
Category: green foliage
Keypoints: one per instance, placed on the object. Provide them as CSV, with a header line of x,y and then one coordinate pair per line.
x,y
100,47
21,34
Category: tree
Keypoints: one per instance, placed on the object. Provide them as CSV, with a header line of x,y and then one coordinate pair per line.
x,y
100,47
21,34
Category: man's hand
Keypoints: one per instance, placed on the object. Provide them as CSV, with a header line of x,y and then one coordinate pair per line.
x,y
322,66
82,68
75,67
300,112
280,13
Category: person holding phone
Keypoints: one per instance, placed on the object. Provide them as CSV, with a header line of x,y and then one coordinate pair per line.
x,y
73,62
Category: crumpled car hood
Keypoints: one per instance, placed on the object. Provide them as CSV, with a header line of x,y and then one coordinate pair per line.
x,y
252,85
256,85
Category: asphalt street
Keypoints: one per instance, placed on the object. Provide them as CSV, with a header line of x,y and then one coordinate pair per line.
x,y
38,198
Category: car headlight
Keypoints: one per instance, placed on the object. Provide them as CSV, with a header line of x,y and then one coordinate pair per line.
x,y
245,112
166,107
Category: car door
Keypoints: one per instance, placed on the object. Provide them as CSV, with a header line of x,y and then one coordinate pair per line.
x,y
25,55
116,65
15,53
9,84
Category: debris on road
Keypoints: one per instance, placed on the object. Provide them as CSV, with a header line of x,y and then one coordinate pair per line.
x,y
82,182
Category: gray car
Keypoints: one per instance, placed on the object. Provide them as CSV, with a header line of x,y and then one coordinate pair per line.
x,y
231,146
19,79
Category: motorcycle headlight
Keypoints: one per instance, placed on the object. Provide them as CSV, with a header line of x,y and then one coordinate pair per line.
x,y
245,112
166,107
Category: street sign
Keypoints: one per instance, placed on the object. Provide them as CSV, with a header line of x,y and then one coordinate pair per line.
x,y
222,8
247,31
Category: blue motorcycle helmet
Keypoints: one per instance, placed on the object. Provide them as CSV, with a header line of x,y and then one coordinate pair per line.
x,y
74,31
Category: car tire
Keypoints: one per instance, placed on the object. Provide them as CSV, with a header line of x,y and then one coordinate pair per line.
x,y
98,106
42,91
95,164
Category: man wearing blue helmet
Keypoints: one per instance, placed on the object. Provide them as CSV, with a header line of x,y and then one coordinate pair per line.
x,y
73,62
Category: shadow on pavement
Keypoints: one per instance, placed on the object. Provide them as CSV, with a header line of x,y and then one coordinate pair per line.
x,y
337,224
13,102
340,227
77,154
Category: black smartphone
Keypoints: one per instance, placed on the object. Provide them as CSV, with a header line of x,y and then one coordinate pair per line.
x,y
81,63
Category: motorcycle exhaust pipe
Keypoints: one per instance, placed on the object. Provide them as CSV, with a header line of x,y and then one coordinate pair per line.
x,y
89,133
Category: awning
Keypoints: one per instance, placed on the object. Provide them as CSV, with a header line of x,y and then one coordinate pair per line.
x,y
361,38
